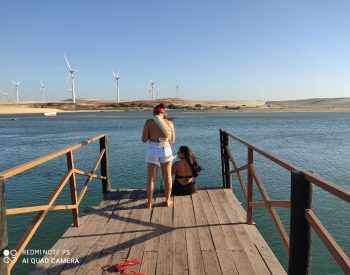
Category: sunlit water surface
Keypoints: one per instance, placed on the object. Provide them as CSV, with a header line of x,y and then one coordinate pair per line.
x,y
316,141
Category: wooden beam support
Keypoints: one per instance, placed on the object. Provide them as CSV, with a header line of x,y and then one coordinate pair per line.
x,y
83,173
333,247
278,204
73,189
40,217
88,180
275,218
26,166
22,210
3,228
240,178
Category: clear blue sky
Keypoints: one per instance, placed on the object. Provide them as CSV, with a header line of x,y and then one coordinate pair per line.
x,y
268,50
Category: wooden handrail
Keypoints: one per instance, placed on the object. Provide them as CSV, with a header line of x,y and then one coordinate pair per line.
x,y
329,186
40,217
22,210
333,247
237,170
299,264
68,176
88,180
277,221
26,166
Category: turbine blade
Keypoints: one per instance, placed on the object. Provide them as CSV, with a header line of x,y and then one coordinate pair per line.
x,y
19,82
67,80
67,62
14,83
114,74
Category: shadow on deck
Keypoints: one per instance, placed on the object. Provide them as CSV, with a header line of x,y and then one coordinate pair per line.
x,y
205,233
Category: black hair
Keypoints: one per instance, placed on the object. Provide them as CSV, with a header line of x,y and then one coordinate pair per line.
x,y
191,160
160,105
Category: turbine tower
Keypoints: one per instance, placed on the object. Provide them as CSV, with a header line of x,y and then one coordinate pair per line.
x,y
116,79
152,89
42,90
17,88
177,91
71,73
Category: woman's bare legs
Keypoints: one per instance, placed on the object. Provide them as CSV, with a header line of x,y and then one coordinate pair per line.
x,y
168,181
151,179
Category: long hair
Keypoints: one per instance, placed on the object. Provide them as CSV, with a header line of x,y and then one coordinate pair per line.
x,y
191,160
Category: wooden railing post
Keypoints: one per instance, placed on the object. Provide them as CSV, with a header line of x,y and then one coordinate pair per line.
x,y
106,184
3,228
250,186
222,158
73,189
300,230
225,141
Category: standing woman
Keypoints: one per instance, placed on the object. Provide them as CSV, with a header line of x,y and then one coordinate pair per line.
x,y
185,170
160,133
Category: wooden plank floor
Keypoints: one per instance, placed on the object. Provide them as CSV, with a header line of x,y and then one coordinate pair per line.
x,y
204,233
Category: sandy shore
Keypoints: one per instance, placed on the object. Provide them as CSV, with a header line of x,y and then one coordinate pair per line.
x,y
25,110
304,105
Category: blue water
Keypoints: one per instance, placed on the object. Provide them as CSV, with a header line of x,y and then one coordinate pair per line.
x,y
316,141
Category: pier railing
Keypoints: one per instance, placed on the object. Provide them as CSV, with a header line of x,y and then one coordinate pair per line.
x,y
302,217
7,261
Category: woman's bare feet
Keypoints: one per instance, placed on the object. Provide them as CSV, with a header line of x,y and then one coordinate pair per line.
x,y
168,203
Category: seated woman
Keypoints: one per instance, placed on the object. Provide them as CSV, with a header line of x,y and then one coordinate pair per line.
x,y
185,170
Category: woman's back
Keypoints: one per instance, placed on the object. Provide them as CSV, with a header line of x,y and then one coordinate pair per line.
x,y
153,133
183,171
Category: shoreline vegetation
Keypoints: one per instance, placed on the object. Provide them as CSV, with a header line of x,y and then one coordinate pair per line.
x,y
91,105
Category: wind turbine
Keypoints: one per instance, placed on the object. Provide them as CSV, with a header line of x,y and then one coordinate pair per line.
x,y
152,89
71,73
177,91
42,90
116,79
4,95
17,88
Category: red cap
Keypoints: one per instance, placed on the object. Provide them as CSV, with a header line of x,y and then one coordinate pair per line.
x,y
159,110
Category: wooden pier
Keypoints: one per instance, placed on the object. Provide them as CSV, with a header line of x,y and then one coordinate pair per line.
x,y
208,232
205,233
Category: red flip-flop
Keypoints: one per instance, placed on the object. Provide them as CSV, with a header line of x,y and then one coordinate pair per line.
x,y
126,263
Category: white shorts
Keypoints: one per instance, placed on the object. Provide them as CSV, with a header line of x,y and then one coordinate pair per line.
x,y
158,152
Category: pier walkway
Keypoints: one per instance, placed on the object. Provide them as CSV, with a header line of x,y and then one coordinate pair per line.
x,y
205,233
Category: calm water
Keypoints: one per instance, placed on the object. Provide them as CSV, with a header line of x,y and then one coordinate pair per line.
x,y
315,141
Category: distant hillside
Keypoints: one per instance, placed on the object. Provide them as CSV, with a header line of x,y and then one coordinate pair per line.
x,y
332,104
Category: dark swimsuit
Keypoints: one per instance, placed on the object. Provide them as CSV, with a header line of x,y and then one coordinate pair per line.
x,y
181,190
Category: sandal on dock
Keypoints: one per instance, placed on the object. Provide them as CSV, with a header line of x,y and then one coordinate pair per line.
x,y
127,263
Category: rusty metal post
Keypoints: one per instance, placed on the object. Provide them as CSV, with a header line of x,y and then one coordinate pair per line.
x,y
222,158
225,141
300,229
106,184
250,186
3,228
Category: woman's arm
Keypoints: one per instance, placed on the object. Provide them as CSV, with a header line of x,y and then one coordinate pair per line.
x,y
145,133
174,168
171,125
